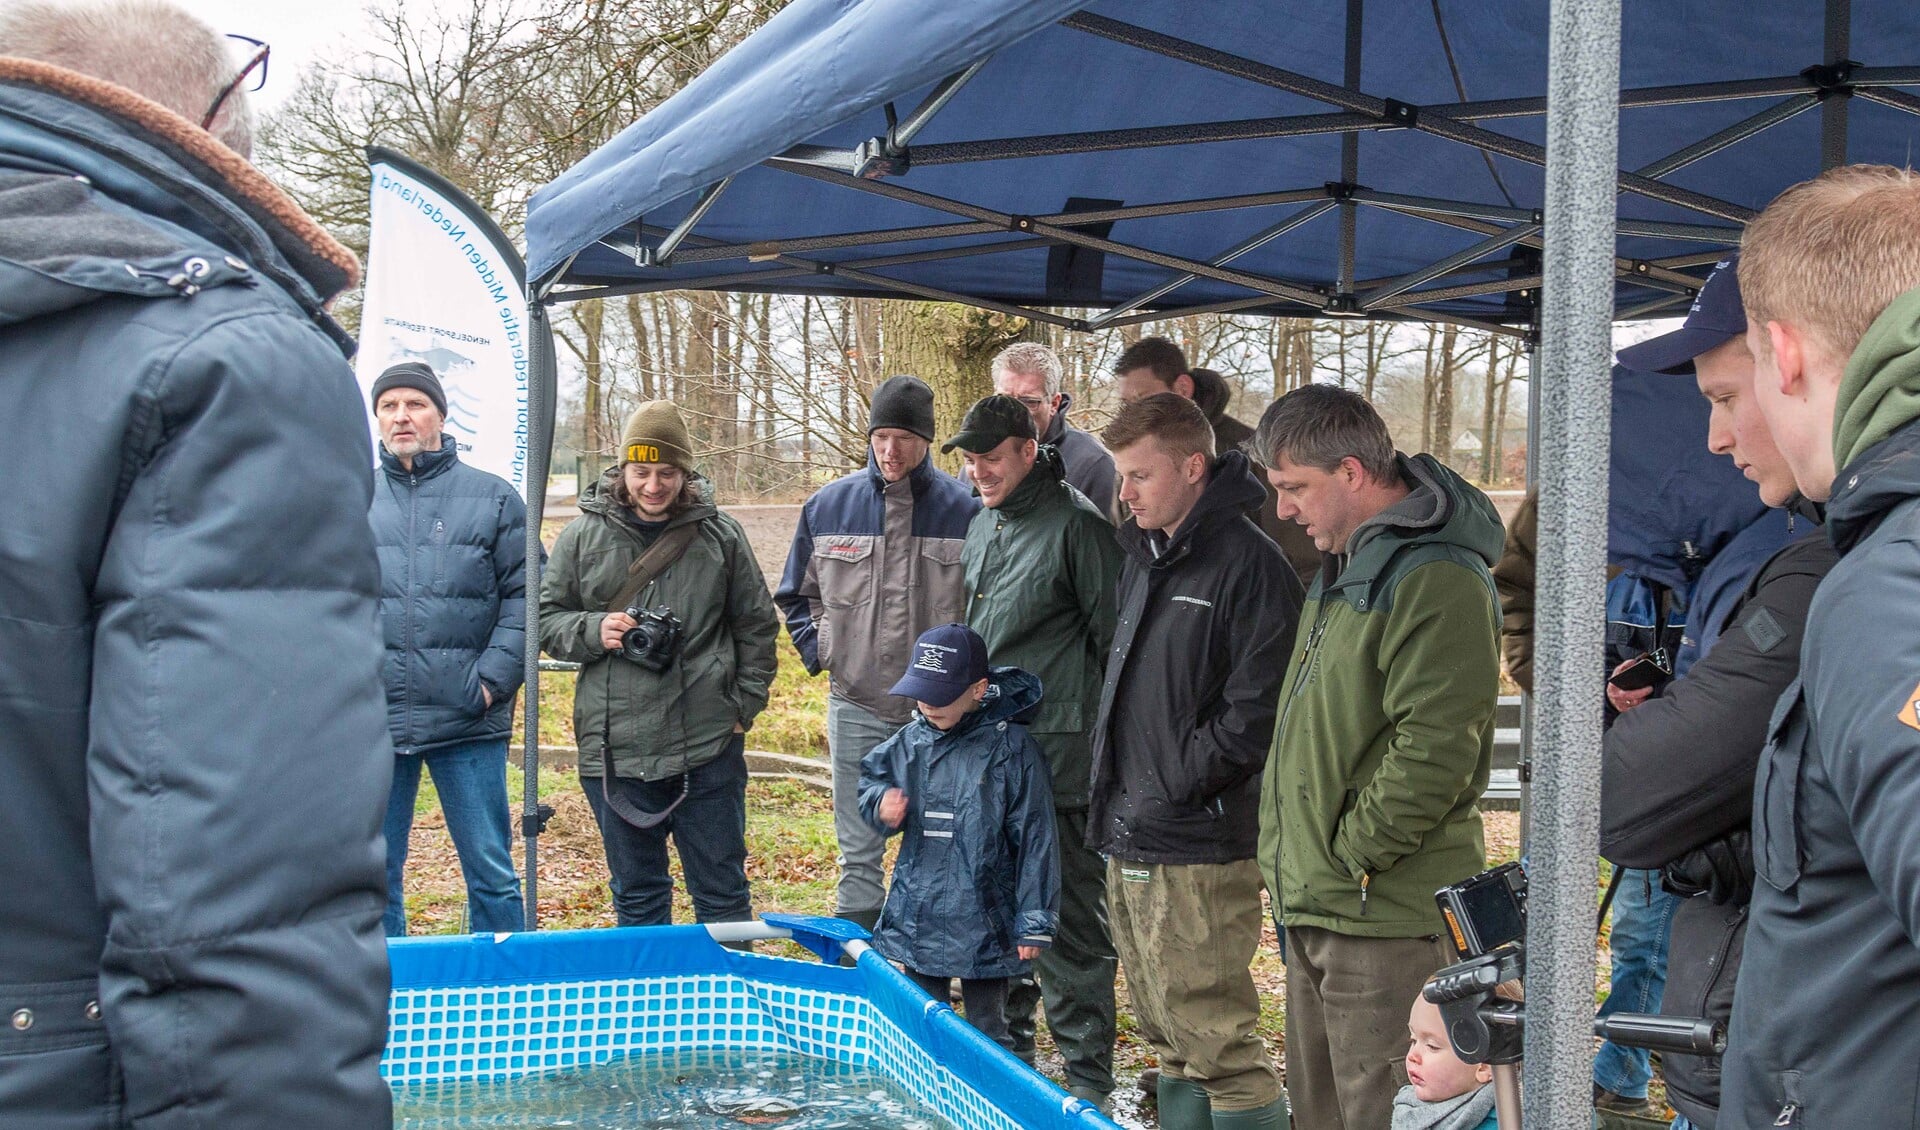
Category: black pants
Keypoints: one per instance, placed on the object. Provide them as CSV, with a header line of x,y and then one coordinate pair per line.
x,y
984,1000
709,831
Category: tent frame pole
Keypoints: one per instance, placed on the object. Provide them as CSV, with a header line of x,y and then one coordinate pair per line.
x,y
1576,350
542,379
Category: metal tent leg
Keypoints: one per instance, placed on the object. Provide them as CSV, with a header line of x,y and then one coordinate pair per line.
x,y
541,382
1583,81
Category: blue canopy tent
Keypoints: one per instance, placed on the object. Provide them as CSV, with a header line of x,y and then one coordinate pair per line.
x,y
1530,169
1135,158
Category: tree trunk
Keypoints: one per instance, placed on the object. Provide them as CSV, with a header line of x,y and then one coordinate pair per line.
x,y
1500,418
949,347
1487,464
1376,345
592,319
1443,395
806,388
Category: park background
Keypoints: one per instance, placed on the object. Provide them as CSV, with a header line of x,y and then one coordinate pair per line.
x,y
500,96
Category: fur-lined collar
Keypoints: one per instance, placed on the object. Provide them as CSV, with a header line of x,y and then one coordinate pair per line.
x,y
325,262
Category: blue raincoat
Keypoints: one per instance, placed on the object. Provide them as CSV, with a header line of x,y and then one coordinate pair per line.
x,y
978,873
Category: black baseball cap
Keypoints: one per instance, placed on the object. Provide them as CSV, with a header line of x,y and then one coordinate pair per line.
x,y
946,661
1717,317
988,424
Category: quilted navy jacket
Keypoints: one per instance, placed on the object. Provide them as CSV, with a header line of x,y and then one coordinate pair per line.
x,y
453,552
193,768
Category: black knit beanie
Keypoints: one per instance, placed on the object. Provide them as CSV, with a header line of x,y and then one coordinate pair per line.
x,y
903,402
412,374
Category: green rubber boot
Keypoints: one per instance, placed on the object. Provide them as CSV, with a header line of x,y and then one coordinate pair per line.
x,y
1183,1105
1273,1116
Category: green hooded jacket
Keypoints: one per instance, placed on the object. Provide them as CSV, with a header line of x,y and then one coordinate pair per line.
x,y
659,725
1370,800
1041,572
1880,390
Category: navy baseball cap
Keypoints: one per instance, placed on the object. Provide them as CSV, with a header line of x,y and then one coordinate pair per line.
x,y
1717,317
946,661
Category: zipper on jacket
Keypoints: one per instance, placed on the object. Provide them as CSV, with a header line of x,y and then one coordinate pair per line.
x,y
1366,880
1306,665
1789,1115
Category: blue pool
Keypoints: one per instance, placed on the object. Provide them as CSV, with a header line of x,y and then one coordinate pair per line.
x,y
479,1024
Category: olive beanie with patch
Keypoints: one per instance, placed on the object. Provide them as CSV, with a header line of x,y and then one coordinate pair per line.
x,y
655,433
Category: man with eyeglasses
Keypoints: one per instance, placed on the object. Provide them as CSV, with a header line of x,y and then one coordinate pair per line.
x,y
193,750
1030,373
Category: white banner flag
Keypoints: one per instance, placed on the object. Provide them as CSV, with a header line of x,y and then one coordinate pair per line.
x,y
445,287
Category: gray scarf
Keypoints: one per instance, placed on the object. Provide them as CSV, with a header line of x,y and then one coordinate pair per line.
x,y
1462,1112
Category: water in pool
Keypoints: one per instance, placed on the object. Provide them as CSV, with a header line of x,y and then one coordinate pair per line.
x,y
686,1091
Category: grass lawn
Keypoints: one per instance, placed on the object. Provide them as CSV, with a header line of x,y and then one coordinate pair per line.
x,y
790,854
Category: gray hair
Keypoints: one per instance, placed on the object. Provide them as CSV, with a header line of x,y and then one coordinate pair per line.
x,y
151,47
1032,359
1318,426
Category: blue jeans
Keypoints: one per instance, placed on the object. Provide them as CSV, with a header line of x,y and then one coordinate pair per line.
x,y
1642,916
1680,1123
709,832
471,779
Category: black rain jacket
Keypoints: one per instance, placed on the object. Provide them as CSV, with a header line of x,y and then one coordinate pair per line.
x,y
1193,682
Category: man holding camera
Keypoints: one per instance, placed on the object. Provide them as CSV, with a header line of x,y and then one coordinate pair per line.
x,y
1041,563
1207,608
657,595
1823,1031
875,562
453,549
1383,745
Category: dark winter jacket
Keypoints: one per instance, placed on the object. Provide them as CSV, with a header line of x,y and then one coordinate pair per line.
x,y
1089,464
1040,572
1370,800
453,548
978,874
1211,394
1186,713
873,565
1677,778
1823,1019
193,756
659,724
1513,580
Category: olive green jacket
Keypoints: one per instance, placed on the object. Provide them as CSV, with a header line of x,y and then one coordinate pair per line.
x,y
1041,574
659,725
1384,741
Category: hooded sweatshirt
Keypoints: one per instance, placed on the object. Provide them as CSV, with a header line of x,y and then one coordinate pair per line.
x,y
1823,1031
1385,736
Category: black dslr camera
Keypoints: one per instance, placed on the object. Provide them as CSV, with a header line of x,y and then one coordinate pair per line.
x,y
654,640
1486,911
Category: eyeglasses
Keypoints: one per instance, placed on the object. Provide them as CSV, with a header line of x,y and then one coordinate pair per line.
x,y
1034,401
252,76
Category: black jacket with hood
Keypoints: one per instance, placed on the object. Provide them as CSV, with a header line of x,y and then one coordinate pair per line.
x,y
194,758
1192,682
1677,793
1823,1027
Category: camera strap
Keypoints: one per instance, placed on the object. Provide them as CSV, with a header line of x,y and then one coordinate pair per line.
x,y
639,817
665,550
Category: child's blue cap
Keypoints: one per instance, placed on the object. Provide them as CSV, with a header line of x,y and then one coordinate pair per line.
x,y
946,661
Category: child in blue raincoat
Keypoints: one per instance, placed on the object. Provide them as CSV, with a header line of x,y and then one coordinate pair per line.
x,y
976,890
